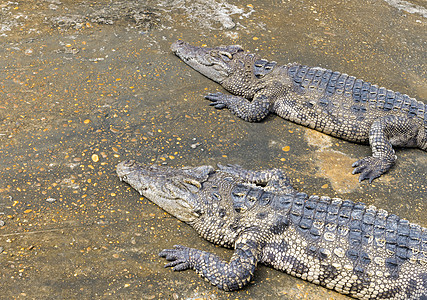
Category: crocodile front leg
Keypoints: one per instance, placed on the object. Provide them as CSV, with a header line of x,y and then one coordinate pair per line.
x,y
274,179
229,276
250,111
385,133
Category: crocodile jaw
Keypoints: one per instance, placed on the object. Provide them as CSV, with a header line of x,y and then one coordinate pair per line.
x,y
171,189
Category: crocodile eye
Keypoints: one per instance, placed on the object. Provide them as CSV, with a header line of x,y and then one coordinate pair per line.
x,y
227,54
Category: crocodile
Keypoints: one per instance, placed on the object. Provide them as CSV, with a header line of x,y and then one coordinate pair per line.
x,y
350,247
331,102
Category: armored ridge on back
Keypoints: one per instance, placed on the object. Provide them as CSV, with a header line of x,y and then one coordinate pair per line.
x,y
352,248
331,102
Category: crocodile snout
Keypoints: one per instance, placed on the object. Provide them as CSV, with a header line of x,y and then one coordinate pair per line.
x,y
177,45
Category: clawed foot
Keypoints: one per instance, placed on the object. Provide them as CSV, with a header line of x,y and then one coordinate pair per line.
x,y
219,100
179,257
371,167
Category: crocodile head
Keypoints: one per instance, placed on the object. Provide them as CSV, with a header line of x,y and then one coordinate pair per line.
x,y
173,189
215,63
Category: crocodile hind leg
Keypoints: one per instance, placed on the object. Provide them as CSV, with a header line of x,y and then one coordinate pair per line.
x,y
274,180
250,111
385,133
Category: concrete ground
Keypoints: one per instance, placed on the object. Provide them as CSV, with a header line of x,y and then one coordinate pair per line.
x,y
85,85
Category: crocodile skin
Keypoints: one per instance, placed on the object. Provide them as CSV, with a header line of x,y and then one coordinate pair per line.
x,y
349,247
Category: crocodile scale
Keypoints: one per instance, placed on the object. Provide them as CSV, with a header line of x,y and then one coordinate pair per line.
x,y
331,83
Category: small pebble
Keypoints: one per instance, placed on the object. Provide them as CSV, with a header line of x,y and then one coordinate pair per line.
x,y
50,200
95,157
2,223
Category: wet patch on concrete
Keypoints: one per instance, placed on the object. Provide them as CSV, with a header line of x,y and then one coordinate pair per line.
x,y
135,14
210,14
34,19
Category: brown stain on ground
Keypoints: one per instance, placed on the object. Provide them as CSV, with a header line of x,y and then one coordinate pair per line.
x,y
337,167
418,83
332,164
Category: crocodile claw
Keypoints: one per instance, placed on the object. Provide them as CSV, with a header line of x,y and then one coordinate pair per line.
x,y
218,105
179,257
371,167
218,100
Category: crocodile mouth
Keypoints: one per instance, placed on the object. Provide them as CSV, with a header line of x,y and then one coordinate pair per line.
x,y
210,62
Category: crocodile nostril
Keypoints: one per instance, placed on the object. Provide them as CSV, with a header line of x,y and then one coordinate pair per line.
x,y
129,163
